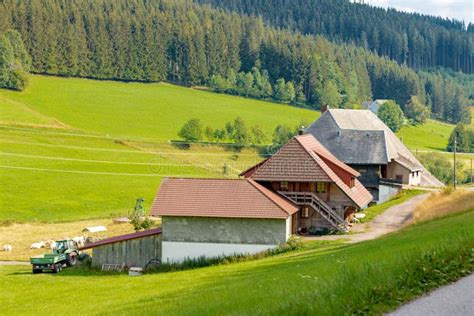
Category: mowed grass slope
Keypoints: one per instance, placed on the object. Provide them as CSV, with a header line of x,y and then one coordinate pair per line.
x,y
50,176
433,135
61,158
367,278
156,110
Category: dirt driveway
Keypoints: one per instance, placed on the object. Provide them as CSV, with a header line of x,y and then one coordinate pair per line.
x,y
391,220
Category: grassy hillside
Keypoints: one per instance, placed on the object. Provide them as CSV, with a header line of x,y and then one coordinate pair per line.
x,y
51,175
76,149
366,278
139,110
61,159
433,135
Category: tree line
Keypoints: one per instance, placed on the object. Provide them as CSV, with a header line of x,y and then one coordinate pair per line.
x,y
236,132
14,61
186,43
417,40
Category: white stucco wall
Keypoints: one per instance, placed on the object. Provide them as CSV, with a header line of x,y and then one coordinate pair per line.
x,y
288,227
179,251
386,192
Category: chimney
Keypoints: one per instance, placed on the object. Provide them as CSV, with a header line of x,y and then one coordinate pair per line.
x,y
324,108
301,130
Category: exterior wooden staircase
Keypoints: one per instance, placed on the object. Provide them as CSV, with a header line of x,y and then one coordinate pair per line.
x,y
312,200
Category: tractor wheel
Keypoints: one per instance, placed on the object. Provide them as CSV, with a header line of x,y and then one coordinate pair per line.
x,y
36,271
71,259
56,269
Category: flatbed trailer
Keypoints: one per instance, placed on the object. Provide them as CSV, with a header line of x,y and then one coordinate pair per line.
x,y
48,261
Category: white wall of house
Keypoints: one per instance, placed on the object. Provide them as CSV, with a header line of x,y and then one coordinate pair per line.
x,y
386,192
408,177
288,226
179,251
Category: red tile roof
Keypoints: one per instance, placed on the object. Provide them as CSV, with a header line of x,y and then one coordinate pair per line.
x,y
232,198
358,193
293,162
311,143
303,158
115,239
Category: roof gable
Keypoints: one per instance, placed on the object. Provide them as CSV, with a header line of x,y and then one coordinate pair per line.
x,y
304,159
360,137
293,162
231,198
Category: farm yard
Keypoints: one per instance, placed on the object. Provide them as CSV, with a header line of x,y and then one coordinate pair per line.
x,y
72,156
302,282
200,157
65,166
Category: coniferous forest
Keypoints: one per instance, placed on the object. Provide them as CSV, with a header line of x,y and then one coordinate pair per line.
x,y
192,44
409,38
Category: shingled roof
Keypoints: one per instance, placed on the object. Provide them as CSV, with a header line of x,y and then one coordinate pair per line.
x,y
359,137
304,159
231,198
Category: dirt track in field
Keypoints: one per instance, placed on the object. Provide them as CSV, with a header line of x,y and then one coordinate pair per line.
x,y
391,220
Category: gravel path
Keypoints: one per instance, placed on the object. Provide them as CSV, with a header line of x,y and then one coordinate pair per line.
x,y
14,263
391,220
453,300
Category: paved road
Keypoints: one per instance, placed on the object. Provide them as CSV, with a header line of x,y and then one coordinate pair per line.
x,y
453,300
391,220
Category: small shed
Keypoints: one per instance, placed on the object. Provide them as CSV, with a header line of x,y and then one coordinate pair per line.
x,y
134,249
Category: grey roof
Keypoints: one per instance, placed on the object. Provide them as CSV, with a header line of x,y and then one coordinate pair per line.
x,y
360,137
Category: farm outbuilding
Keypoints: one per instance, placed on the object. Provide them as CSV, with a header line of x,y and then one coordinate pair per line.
x,y
131,250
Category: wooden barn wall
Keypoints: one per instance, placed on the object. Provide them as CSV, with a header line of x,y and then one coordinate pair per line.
x,y
133,253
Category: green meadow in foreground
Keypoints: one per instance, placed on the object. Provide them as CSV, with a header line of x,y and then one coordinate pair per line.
x,y
366,278
156,110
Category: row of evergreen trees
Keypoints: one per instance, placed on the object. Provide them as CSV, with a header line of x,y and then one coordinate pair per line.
x,y
409,38
180,41
14,61
257,84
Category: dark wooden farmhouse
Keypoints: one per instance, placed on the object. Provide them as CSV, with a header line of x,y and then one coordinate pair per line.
x,y
361,140
326,190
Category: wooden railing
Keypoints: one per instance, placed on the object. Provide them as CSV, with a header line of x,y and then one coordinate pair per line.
x,y
315,202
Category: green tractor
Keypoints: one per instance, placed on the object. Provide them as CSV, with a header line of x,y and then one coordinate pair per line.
x,y
65,252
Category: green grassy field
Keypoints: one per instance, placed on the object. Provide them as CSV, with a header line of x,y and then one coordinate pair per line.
x,y
367,278
76,149
154,111
432,135
47,175
61,158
